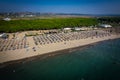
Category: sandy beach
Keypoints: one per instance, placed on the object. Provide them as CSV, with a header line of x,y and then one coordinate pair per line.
x,y
35,50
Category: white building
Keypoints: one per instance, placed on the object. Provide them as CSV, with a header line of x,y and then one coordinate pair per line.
x,y
77,28
3,35
7,19
67,29
105,26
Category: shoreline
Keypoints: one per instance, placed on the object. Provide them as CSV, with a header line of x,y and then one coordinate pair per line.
x,y
54,53
44,56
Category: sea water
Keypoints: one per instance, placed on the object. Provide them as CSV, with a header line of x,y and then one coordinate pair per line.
x,y
98,62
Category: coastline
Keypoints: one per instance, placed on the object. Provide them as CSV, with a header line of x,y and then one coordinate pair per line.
x,y
46,55
52,50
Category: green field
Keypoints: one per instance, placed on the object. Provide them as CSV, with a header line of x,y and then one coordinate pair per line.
x,y
40,24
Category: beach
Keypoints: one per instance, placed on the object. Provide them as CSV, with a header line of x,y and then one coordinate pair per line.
x,y
37,50
96,61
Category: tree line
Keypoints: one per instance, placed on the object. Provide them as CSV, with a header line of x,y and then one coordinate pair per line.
x,y
115,21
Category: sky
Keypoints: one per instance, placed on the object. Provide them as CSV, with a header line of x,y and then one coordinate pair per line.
x,y
62,6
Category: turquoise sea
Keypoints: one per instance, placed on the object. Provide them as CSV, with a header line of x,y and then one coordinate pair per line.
x,y
98,62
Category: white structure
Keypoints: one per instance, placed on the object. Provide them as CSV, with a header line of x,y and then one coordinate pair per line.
x,y
7,19
77,28
3,35
67,29
105,25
